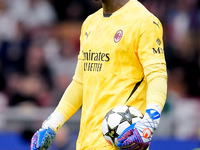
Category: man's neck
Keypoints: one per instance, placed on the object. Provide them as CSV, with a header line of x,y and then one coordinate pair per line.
x,y
110,6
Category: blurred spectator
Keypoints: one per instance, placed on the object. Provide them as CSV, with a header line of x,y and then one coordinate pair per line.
x,y
65,61
75,9
13,80
31,82
36,64
63,64
12,52
182,18
17,91
31,91
8,23
33,13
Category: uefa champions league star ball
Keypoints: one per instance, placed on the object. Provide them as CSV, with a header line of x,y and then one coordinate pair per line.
x,y
117,120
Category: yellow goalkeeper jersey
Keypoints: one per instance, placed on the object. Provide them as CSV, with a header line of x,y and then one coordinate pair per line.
x,y
114,51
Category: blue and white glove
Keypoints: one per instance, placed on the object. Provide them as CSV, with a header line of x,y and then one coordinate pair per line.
x,y
138,136
42,139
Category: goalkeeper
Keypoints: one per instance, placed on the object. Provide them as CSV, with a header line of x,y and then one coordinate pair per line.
x,y
121,62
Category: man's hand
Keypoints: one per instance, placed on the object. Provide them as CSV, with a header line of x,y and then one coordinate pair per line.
x,y
42,139
138,136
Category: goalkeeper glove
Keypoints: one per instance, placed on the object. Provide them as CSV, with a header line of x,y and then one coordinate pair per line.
x,y
138,136
42,139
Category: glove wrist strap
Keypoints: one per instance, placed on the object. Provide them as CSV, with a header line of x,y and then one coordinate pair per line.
x,y
155,107
54,121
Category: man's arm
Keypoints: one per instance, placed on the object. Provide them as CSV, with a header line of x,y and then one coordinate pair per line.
x,y
68,105
140,133
156,75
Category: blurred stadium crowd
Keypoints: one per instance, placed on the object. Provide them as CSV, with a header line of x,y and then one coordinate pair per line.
x,y
39,44
37,57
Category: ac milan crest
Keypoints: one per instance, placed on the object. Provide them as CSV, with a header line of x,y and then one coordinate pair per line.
x,y
118,36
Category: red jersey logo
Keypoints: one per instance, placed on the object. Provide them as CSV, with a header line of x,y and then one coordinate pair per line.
x,y
118,36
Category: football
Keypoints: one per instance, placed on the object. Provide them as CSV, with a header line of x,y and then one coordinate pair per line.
x,y
117,120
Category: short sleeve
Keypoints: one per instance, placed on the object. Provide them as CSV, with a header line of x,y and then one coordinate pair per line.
x,y
151,49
